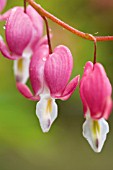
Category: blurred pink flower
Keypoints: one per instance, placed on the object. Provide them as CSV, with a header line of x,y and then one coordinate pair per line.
x,y
49,76
2,4
95,92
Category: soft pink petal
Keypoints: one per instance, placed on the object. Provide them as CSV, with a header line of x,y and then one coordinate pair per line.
x,y
18,31
58,69
37,68
6,53
37,23
108,107
6,15
70,88
25,91
85,105
94,89
87,70
36,20
2,4
43,41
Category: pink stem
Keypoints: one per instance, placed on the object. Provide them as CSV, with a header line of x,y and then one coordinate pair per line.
x,y
87,36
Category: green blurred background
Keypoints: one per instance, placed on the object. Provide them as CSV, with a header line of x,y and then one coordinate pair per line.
x,y
22,143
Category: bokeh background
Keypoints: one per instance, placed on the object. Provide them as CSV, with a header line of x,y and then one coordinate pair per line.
x,y
22,143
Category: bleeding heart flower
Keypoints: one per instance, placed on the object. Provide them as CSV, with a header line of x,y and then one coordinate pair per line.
x,y
49,76
2,4
95,92
23,34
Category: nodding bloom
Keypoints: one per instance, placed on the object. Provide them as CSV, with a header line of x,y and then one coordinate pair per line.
x,y
23,31
49,76
95,92
2,4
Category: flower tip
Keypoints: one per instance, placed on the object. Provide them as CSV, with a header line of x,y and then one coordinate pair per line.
x,y
18,79
46,111
1,39
96,148
45,125
97,143
95,131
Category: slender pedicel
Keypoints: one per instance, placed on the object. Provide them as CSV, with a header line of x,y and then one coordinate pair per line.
x,y
95,50
48,35
24,6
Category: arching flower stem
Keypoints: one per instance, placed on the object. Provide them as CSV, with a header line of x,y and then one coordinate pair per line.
x,y
87,36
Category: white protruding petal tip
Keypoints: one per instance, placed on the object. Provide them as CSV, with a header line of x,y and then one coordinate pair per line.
x,y
1,39
21,69
45,124
27,53
46,111
21,66
95,131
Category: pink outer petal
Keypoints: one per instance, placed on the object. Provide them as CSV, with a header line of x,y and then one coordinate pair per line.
x,y
85,106
18,31
95,88
25,91
37,68
6,53
2,4
36,20
58,69
108,107
6,15
70,88
87,70
43,41
37,23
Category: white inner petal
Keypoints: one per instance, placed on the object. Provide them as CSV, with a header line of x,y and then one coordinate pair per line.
x,y
27,53
1,39
21,69
46,111
95,131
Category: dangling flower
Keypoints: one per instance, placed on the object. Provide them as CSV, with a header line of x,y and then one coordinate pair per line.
x,y
95,92
23,32
49,75
2,4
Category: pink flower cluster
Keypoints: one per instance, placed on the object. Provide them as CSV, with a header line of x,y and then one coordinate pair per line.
x,y
49,74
